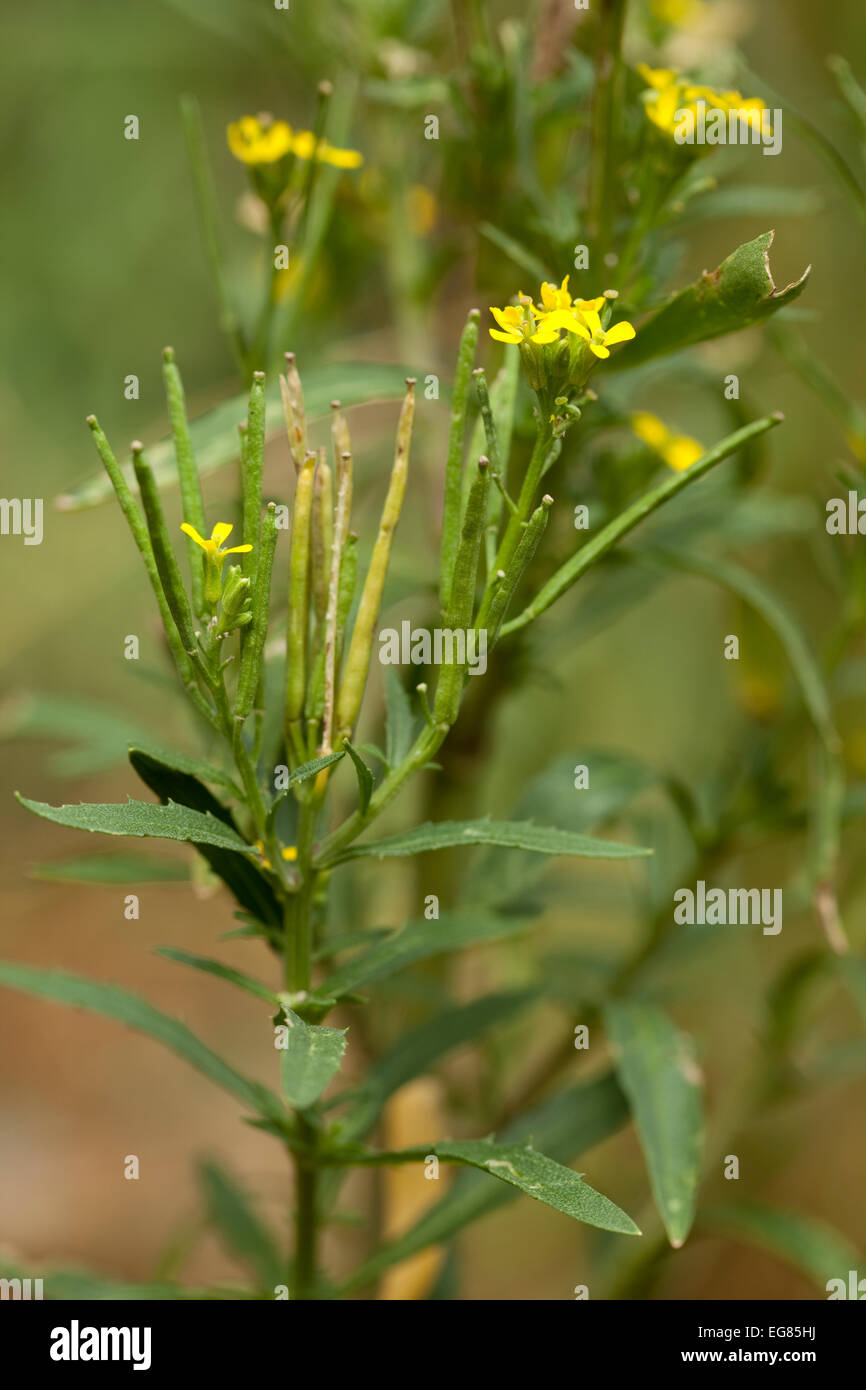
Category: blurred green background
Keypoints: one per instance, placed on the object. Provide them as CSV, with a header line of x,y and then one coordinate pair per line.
x,y
101,267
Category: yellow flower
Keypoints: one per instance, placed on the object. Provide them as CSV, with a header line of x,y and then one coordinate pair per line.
x,y
262,140
290,853
679,451
214,556
304,146
554,299
213,546
518,324
587,325
259,139
670,93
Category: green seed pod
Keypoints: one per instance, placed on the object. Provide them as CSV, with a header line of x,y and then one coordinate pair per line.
x,y
293,409
503,594
166,561
461,604
299,586
252,461
190,487
358,657
322,535
454,459
254,642
140,535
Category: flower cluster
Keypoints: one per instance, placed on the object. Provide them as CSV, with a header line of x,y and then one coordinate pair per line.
x,y
669,94
556,365
259,140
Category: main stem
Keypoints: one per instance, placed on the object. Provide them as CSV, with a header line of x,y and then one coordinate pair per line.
x,y
298,955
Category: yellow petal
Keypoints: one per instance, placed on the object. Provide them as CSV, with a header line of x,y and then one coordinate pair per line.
x,y
598,349
505,337
221,531
588,306
682,452
193,533
650,429
339,159
237,550
620,333
509,317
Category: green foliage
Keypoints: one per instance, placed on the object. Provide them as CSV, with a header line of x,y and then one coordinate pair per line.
x,y
658,1071
738,293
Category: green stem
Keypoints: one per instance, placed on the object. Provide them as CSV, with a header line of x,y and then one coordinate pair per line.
x,y
608,67
423,749
298,956
206,206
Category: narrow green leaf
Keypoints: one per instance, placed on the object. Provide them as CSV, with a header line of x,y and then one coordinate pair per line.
x,y
540,839
179,762
656,1065
100,736
365,777
241,875
809,1245
141,818
312,1057
400,723
565,1125
221,971
79,1285
542,1178
417,1050
242,1232
416,941
111,868
111,1001
738,293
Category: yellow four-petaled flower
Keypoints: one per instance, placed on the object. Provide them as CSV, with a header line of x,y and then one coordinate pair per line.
x,y
541,323
260,140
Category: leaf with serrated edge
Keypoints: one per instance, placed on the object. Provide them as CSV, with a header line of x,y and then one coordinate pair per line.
x,y
417,941
541,839
99,997
312,1057
142,819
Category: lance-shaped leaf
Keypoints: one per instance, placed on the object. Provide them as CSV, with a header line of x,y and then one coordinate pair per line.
x,y
812,1246
219,971
542,1178
565,1125
656,1065
312,1056
111,868
540,839
738,293
364,775
417,941
242,1232
111,1001
143,819
174,781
